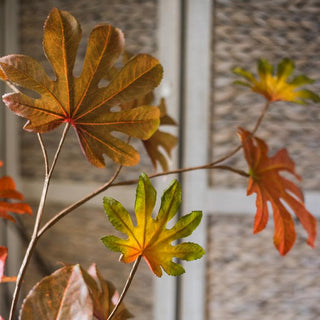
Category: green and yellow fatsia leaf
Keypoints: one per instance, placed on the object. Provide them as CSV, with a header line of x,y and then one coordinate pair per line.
x,y
81,101
150,238
276,86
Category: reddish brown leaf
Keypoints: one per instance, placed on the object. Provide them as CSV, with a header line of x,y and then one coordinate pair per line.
x,y
161,141
265,180
3,258
8,191
82,102
62,295
104,297
72,293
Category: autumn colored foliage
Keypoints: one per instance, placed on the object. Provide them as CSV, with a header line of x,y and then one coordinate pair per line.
x,y
59,292
266,181
150,238
8,192
81,101
275,86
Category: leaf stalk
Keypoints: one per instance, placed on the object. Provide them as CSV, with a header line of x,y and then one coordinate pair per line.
x,y
126,287
39,215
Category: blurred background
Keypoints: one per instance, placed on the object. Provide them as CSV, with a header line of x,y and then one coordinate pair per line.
x,y
198,42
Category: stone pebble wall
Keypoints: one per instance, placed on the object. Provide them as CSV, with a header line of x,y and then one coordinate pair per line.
x,y
243,32
138,20
247,279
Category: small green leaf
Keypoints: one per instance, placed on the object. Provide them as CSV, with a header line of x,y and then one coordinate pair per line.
x,y
264,67
243,73
308,95
242,83
301,80
285,68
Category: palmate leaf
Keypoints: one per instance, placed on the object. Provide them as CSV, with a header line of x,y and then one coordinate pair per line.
x,y
72,293
276,86
150,238
61,295
104,296
3,258
161,143
81,101
265,180
8,192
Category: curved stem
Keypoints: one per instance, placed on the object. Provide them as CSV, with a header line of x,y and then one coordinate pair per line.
x,y
77,204
126,287
110,184
255,128
36,227
44,153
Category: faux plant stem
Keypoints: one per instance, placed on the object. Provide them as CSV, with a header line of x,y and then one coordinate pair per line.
x,y
126,287
255,128
110,184
36,227
77,204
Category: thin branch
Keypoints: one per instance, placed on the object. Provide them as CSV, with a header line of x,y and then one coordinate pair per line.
x,y
36,227
240,172
239,147
126,287
63,137
77,204
44,153
110,184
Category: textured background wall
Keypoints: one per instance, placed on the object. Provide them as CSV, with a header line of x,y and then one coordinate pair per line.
x,y
245,31
247,279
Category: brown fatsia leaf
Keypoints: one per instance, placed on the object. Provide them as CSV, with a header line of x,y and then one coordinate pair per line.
x,y
161,141
104,297
270,186
73,293
62,295
81,101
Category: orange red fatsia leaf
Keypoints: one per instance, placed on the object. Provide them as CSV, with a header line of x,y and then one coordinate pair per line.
x,y
265,180
3,258
8,192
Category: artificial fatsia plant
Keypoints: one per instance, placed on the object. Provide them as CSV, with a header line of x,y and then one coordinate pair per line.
x,y
126,105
